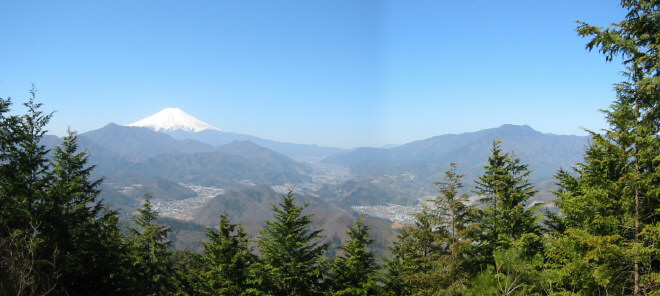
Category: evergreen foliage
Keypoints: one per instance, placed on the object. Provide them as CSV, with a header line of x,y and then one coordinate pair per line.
x,y
25,165
291,254
151,270
456,219
76,225
611,203
354,273
402,264
504,190
435,255
414,252
226,261
453,213
56,236
455,249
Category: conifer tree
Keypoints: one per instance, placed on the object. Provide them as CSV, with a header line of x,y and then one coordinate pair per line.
x,y
149,255
403,263
452,209
111,256
611,203
455,219
517,270
504,190
11,241
291,253
25,167
24,181
50,209
74,223
227,261
8,143
354,273
414,252
188,271
432,256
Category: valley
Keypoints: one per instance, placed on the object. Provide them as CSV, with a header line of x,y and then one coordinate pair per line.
x,y
186,209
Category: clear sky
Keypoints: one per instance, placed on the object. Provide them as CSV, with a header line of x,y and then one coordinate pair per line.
x,y
338,73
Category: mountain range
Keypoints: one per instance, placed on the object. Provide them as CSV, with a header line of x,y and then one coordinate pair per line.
x,y
129,156
401,174
425,161
545,153
167,153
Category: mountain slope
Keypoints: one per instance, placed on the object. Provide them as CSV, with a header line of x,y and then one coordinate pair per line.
x,y
362,193
211,169
259,154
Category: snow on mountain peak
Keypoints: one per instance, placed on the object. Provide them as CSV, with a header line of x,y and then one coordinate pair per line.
x,y
171,119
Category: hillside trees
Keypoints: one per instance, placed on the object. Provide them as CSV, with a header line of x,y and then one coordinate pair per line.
x,y
414,252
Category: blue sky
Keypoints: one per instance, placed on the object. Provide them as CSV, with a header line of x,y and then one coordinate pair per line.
x,y
338,73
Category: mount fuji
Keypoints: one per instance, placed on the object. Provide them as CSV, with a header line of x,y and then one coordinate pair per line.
x,y
172,119
181,125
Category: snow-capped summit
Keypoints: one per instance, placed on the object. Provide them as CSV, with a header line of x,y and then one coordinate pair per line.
x,y
171,119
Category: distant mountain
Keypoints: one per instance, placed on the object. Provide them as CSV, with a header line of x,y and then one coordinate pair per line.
x,y
250,206
106,164
135,160
429,158
180,125
296,151
141,142
106,161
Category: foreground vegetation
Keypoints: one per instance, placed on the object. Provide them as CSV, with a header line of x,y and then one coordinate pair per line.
x,y
57,238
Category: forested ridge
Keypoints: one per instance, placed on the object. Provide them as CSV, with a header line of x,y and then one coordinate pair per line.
x,y
58,238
